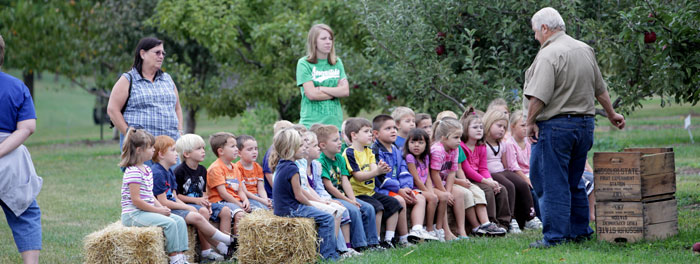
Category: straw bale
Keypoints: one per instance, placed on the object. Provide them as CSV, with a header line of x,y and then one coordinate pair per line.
x,y
266,238
119,244
193,247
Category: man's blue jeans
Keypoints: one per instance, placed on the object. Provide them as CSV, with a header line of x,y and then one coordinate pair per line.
x,y
363,228
326,229
556,165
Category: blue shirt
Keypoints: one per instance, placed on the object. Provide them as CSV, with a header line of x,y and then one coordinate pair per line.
x,y
285,202
266,170
398,177
15,103
163,181
400,141
152,105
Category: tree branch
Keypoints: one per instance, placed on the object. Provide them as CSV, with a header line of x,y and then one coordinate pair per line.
x,y
457,102
93,91
249,61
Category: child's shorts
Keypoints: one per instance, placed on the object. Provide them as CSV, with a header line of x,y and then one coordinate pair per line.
x,y
180,212
382,202
472,196
255,204
215,210
392,194
234,208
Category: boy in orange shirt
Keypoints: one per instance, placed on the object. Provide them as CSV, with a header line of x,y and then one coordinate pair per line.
x,y
224,180
252,173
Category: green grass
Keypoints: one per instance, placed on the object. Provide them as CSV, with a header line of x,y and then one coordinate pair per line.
x,y
81,186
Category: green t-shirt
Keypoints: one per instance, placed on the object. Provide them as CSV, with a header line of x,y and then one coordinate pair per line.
x,y
333,169
462,156
327,112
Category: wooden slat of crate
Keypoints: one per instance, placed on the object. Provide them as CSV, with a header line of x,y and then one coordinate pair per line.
x,y
633,221
648,150
632,176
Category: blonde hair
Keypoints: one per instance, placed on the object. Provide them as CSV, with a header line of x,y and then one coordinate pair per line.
x,y
279,125
400,112
444,114
467,118
324,132
491,117
187,143
497,102
134,139
515,117
311,136
284,146
445,127
218,140
163,143
311,44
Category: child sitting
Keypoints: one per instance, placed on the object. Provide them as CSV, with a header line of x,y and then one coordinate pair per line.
x,y
224,180
289,200
334,173
405,120
277,127
519,196
424,122
165,190
398,182
139,206
517,159
364,168
417,156
191,182
252,173
476,169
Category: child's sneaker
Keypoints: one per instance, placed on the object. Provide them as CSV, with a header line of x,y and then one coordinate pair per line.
x,y
403,244
491,229
514,228
535,223
440,234
232,247
414,236
211,256
350,253
427,235
386,244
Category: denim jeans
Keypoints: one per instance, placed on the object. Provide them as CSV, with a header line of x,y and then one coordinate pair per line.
x,y
326,229
26,229
363,229
556,164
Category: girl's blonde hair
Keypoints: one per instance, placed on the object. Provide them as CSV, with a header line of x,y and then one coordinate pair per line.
x,y
491,117
515,117
284,146
187,143
311,136
445,127
311,44
134,139
497,102
467,118
444,114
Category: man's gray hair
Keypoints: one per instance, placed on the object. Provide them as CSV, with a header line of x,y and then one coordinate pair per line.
x,y
550,17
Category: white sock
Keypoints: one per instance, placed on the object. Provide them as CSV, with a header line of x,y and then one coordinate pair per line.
x,y
221,237
389,236
175,259
417,228
222,248
403,238
206,252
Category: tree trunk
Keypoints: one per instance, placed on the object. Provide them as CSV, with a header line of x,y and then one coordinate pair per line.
x,y
28,76
190,119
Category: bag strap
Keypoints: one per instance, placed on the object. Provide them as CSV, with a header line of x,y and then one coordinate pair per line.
x,y
131,77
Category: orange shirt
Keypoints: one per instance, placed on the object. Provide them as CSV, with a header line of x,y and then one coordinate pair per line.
x,y
217,174
251,177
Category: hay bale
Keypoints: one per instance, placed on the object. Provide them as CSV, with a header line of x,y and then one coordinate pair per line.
x,y
119,244
266,238
193,246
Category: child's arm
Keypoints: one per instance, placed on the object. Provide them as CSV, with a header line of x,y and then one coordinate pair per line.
x,y
460,179
203,201
268,177
374,171
345,183
263,194
416,179
437,181
298,192
227,196
449,182
134,193
163,199
242,190
336,193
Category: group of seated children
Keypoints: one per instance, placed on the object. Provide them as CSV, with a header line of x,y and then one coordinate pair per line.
x,y
396,168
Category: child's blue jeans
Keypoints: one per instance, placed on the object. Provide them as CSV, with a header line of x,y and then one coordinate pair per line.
x,y
363,229
326,229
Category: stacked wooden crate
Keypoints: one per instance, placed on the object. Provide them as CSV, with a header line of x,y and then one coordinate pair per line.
x,y
635,194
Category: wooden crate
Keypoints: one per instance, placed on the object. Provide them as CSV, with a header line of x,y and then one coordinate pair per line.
x,y
634,221
636,174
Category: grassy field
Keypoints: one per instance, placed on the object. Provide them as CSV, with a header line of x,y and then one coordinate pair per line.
x,y
81,187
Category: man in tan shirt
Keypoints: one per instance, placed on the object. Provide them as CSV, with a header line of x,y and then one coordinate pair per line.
x,y
560,88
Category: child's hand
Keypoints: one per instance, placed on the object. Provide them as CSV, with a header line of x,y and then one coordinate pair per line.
x,y
268,202
355,203
246,206
334,201
163,210
204,202
407,195
383,167
450,199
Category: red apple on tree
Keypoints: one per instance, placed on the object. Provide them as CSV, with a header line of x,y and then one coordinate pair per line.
x,y
389,98
649,37
440,50
441,35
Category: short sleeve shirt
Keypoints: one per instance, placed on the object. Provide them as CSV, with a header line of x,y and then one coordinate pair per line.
x,y
15,103
218,174
565,77
145,180
251,177
334,169
360,161
442,160
421,166
164,182
285,202
327,112
191,182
